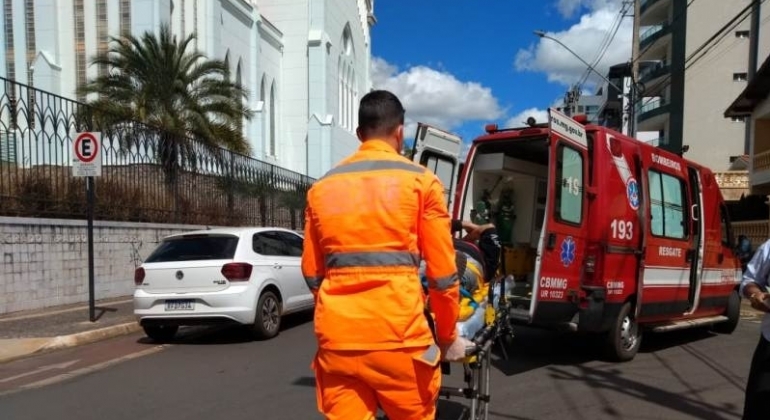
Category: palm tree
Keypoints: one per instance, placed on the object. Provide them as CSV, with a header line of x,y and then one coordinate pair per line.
x,y
183,101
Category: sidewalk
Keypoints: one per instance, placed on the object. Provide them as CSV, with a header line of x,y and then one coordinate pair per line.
x,y
29,332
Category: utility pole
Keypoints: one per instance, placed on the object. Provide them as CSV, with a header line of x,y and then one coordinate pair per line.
x,y
753,52
632,99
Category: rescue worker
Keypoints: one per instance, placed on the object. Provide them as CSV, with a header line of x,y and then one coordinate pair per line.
x,y
754,287
368,222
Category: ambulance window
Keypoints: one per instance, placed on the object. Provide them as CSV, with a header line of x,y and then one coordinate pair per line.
x,y
569,195
443,168
667,206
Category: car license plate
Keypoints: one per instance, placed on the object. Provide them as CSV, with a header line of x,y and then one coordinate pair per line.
x,y
180,305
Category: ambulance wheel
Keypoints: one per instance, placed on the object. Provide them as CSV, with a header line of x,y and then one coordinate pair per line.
x,y
733,314
267,322
623,340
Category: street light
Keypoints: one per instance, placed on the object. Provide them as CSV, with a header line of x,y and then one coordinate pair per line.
x,y
631,95
542,34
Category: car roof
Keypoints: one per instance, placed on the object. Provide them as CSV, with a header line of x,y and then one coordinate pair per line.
x,y
232,231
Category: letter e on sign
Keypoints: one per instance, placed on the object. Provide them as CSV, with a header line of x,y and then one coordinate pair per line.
x,y
87,154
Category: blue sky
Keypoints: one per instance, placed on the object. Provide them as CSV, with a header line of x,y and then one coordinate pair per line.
x,y
459,66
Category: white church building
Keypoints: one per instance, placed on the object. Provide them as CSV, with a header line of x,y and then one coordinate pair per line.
x,y
306,63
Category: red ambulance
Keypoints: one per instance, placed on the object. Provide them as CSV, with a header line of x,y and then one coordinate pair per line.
x,y
602,233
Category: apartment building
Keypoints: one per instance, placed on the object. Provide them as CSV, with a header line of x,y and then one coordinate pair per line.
x,y
696,57
305,62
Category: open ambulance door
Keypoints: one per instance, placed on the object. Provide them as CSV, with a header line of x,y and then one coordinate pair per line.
x,y
439,151
562,246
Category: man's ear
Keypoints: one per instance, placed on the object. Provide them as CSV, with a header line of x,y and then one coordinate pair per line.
x,y
358,134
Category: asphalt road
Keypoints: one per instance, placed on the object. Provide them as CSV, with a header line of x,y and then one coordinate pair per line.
x,y
223,374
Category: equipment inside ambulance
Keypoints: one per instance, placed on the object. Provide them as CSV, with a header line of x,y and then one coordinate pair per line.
x,y
601,233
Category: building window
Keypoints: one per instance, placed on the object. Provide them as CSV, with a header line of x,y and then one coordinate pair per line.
x,y
125,17
741,34
272,120
740,77
80,46
101,32
10,64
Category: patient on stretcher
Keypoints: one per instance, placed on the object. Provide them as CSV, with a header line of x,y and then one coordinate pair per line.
x,y
473,289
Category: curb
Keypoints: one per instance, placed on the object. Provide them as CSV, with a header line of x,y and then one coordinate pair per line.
x,y
88,337
77,339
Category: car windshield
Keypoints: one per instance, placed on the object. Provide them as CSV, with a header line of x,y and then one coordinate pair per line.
x,y
195,247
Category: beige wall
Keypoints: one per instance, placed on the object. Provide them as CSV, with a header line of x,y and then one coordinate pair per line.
x,y
709,85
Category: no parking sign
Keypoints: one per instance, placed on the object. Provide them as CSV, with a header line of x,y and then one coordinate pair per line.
x,y
87,149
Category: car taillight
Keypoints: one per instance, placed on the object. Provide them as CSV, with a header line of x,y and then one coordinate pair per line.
x,y
592,266
237,271
139,276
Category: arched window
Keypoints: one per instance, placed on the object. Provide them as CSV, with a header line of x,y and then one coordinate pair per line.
x,y
227,62
263,117
348,89
339,92
272,119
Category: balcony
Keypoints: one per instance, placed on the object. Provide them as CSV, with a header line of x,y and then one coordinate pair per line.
x,y
652,114
653,33
651,75
654,11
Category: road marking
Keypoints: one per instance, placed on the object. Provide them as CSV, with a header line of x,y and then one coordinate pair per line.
x,y
59,366
63,311
82,371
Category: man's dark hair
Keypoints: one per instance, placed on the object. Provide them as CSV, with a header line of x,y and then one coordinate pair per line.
x,y
379,113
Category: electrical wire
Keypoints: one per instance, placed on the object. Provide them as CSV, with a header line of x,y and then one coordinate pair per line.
x,y
606,42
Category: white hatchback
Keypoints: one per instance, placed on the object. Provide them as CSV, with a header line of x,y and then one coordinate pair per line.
x,y
247,276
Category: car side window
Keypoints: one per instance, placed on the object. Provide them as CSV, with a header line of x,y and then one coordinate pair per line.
x,y
292,242
277,244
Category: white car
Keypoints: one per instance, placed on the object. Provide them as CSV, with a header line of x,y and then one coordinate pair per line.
x,y
247,276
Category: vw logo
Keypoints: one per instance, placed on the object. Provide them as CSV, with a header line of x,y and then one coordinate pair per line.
x,y
179,275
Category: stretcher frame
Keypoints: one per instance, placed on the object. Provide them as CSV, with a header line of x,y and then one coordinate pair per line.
x,y
477,365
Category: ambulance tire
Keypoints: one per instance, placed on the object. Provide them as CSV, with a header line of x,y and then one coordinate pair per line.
x,y
267,322
733,314
622,341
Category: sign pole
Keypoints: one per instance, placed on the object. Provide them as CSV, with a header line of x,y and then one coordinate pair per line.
x,y
90,216
87,149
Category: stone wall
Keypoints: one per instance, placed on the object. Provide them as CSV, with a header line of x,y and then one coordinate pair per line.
x,y
45,261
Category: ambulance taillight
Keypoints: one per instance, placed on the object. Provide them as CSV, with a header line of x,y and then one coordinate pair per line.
x,y
592,265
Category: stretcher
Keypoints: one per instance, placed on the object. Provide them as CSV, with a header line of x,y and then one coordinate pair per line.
x,y
477,364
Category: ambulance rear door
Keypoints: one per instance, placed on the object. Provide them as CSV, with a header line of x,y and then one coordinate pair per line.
x,y
562,242
439,151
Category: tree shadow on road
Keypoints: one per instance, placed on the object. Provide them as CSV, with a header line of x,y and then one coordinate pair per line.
x,y
532,348
612,380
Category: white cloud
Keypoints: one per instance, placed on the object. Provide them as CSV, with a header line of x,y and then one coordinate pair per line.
x,y
584,38
435,97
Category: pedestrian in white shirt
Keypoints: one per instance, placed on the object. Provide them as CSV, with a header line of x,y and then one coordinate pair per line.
x,y
754,287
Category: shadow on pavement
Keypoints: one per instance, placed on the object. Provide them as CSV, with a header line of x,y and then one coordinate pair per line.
x,y
612,380
533,348
230,334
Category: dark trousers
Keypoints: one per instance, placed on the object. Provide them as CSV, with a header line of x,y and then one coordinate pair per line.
x,y
757,403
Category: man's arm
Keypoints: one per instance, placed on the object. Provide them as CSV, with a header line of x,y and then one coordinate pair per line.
x,y
313,264
438,252
754,281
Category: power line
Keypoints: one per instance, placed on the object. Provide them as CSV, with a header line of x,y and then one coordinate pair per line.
x,y
607,41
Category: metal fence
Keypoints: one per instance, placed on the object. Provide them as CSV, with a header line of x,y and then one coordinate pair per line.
x,y
145,177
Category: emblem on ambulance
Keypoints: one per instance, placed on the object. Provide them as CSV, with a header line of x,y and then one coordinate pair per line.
x,y
567,251
632,192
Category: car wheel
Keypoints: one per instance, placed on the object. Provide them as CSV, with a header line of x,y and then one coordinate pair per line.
x,y
267,323
160,333
733,314
622,342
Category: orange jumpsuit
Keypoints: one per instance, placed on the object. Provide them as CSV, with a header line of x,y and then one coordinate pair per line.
x,y
368,223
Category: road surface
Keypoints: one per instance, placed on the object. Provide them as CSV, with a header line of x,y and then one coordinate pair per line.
x,y
223,374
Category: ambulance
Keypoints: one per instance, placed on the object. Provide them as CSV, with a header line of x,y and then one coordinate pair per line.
x,y
602,233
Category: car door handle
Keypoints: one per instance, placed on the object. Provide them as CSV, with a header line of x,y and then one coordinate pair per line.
x,y
277,266
551,241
